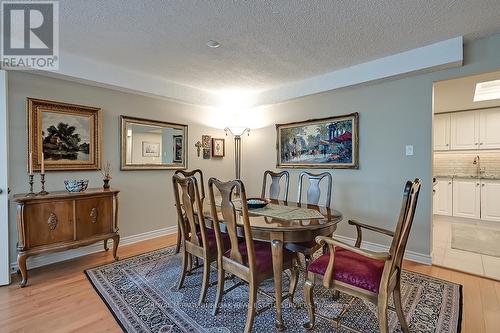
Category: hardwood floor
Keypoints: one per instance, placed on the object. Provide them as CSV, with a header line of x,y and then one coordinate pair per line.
x,y
59,297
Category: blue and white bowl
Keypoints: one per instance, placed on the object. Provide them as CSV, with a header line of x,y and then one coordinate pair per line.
x,y
76,185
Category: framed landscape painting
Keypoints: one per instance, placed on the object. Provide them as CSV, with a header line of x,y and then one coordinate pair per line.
x,y
319,143
150,149
68,135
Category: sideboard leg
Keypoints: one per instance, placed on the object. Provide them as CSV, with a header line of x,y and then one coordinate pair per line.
x,y
116,240
21,263
106,248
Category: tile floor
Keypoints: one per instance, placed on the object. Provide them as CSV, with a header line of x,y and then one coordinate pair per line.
x,y
470,262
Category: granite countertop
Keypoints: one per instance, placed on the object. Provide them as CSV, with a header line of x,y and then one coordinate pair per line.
x,y
468,176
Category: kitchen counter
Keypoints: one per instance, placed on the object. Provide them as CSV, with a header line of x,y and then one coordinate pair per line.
x,y
493,177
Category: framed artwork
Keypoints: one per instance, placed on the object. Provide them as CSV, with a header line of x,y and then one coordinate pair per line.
x,y
206,154
217,147
150,149
205,141
319,143
178,144
68,135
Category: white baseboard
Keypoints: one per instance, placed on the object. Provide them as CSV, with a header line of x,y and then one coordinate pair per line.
x,y
409,255
50,258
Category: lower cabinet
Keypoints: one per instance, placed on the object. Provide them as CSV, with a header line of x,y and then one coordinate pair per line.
x,y
490,200
467,198
443,197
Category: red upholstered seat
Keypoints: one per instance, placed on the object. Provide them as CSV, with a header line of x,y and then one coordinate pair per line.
x,y
351,268
212,242
263,255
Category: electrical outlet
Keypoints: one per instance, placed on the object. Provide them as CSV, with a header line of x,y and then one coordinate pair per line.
x,y
409,150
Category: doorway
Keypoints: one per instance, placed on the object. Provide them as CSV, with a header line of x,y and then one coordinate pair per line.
x,y
466,174
4,178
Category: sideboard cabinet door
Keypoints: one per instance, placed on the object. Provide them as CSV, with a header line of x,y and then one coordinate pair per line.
x,y
94,216
50,222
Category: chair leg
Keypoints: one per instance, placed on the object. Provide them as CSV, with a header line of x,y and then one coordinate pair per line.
x,y
252,300
220,287
206,278
382,312
335,295
396,295
178,245
185,257
295,277
308,298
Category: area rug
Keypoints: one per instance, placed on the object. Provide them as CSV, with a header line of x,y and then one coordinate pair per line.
x,y
475,239
142,295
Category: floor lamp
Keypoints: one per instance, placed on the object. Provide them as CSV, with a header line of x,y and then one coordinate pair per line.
x,y
237,132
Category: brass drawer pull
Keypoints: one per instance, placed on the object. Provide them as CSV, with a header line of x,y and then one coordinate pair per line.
x,y
52,221
93,215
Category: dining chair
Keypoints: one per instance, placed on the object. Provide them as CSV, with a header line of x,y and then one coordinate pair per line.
x,y
372,276
201,243
275,187
194,173
248,259
313,196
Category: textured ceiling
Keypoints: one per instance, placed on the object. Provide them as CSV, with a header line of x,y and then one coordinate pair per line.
x,y
264,43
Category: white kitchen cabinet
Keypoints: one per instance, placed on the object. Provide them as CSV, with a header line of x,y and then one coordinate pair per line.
x,y
464,130
490,200
443,197
489,132
467,198
441,132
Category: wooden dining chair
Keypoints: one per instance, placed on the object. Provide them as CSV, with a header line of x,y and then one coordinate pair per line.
x,y
249,260
312,197
369,275
197,173
201,243
275,187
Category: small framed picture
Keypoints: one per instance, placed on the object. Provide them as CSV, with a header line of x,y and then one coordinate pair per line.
x,y
218,147
206,153
150,149
177,148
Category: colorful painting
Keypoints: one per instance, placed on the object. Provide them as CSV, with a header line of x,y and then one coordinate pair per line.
x,y
68,135
177,148
319,143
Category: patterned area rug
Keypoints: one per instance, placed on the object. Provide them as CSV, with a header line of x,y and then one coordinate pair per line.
x,y
142,295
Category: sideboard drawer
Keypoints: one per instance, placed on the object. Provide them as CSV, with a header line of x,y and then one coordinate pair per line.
x,y
50,222
94,216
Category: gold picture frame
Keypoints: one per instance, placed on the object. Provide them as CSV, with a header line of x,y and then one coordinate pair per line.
x,y
69,135
325,143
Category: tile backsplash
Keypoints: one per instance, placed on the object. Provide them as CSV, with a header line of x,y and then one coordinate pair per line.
x,y
460,163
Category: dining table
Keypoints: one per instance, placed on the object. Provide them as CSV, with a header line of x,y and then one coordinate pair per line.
x,y
282,222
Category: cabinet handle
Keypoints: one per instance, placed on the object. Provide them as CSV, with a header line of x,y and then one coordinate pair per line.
x,y
481,143
52,221
449,183
93,215
482,185
477,184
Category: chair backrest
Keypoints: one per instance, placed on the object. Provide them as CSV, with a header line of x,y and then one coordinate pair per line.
x,y
187,197
197,173
275,188
314,191
231,217
405,221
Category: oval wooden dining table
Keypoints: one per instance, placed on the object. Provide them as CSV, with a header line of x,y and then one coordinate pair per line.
x,y
285,229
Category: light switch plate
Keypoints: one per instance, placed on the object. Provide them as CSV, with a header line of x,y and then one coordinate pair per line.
x,y
409,150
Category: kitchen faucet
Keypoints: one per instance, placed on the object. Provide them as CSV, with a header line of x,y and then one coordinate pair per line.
x,y
477,163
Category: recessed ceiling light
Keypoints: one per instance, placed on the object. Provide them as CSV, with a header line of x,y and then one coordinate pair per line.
x,y
213,44
486,91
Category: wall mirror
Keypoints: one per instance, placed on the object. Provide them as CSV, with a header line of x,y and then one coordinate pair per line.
x,y
152,145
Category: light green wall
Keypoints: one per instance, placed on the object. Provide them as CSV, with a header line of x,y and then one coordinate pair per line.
x,y
392,114
146,198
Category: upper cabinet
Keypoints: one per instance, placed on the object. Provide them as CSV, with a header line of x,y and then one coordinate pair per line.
x,y
442,132
469,130
489,132
464,130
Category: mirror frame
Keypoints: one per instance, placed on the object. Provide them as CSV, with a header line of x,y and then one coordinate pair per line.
x,y
124,120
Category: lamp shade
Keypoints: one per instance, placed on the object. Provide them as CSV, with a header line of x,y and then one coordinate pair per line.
x,y
237,131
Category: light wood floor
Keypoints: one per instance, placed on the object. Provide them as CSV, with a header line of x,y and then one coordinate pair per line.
x,y
60,299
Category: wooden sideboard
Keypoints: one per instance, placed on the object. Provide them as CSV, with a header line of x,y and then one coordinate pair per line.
x,y
62,220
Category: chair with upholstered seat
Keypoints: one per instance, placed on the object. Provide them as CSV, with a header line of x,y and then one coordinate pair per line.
x,y
198,174
249,260
275,187
201,243
369,275
312,197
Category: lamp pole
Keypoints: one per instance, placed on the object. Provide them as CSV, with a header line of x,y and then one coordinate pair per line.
x,y
237,132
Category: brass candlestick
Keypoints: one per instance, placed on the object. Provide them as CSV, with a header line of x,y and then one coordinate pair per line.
x,y
31,194
42,180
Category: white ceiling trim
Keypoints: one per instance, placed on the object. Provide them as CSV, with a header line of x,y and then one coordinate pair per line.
x,y
84,70
441,55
